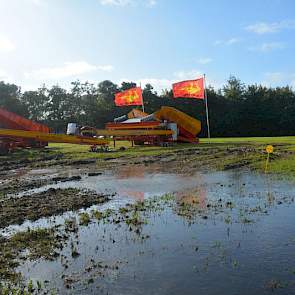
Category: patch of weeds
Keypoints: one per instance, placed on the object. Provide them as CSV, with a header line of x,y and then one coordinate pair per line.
x,y
134,219
97,214
29,288
246,220
235,263
107,213
71,225
123,210
74,251
274,284
84,218
227,219
217,244
31,244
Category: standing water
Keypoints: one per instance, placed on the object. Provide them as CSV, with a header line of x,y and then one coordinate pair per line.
x,y
211,233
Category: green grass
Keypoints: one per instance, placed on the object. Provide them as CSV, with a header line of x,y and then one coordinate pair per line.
x,y
279,164
220,153
253,140
283,160
82,151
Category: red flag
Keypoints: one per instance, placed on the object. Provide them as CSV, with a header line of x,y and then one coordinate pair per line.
x,y
130,97
189,88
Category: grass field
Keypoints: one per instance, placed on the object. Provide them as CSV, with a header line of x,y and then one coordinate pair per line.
x,y
215,153
252,152
255,140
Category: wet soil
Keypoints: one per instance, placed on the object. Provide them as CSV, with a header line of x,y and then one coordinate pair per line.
x,y
181,227
15,210
232,230
31,245
13,178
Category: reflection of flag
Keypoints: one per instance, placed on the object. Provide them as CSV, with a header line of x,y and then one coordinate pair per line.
x,y
129,97
190,89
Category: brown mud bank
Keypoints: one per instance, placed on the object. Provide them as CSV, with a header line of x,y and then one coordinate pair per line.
x,y
22,184
15,210
54,157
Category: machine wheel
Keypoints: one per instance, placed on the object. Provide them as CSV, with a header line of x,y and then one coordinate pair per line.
x,y
3,149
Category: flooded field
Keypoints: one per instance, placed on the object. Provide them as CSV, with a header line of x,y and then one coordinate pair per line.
x,y
165,233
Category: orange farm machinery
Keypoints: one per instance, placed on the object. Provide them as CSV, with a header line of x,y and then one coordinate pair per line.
x,y
160,128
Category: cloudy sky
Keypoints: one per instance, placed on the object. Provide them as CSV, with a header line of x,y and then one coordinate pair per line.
x,y
155,41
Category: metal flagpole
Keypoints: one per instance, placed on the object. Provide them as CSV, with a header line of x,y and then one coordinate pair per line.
x,y
206,104
142,98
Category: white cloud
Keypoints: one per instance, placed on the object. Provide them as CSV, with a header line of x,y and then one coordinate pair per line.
x,y
272,79
151,3
6,77
204,60
160,84
116,2
3,75
266,47
106,68
122,3
6,45
37,2
275,77
230,41
69,69
186,75
265,28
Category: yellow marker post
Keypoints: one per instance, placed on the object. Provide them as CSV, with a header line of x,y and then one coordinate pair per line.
x,y
269,150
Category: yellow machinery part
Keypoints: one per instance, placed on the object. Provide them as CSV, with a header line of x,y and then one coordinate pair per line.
x,y
61,138
183,120
135,113
47,137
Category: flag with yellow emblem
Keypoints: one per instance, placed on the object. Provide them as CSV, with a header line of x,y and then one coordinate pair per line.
x,y
130,97
189,89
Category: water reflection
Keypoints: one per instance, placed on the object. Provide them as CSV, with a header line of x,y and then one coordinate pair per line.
x,y
236,238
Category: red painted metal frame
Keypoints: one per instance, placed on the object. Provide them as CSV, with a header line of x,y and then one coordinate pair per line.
x,y
139,125
152,140
13,121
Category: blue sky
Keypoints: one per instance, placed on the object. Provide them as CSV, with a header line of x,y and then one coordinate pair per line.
x,y
147,41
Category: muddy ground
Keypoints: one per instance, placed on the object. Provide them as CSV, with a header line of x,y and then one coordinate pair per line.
x,y
50,205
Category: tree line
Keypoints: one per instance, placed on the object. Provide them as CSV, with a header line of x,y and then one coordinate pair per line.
x,y
235,110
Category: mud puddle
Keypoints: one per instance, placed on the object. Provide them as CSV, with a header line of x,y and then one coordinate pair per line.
x,y
214,233
136,182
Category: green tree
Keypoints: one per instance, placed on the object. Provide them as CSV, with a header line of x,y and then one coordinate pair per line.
x,y
234,89
36,103
56,107
10,95
127,85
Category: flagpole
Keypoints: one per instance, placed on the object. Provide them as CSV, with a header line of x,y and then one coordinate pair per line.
x,y
142,98
206,104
